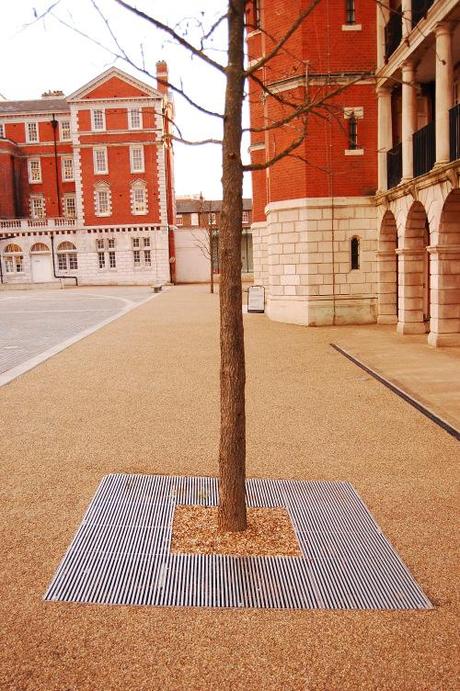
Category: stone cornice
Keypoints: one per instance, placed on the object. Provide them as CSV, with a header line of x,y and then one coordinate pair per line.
x,y
442,173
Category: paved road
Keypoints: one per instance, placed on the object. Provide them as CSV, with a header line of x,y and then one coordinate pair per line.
x,y
35,322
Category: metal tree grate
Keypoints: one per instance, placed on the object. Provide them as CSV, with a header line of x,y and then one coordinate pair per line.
x,y
121,552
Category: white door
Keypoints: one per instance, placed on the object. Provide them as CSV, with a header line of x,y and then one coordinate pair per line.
x,y
41,268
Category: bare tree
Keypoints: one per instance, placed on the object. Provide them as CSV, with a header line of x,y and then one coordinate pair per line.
x,y
293,117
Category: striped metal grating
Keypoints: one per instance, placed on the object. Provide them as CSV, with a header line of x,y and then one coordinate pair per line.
x,y
121,552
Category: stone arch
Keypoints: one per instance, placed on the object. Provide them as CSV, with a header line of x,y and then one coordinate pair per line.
x,y
39,247
387,270
445,276
414,294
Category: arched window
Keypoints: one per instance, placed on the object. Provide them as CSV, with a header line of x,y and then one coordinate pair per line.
x,y
12,254
102,200
67,256
39,247
354,253
139,198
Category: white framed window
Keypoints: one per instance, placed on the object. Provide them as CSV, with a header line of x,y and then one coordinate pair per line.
x,y
112,260
135,119
13,258
37,206
2,130
102,200
66,134
32,132
245,216
67,256
34,168
100,160
137,257
136,157
98,120
147,258
136,242
179,220
69,206
142,254
194,221
138,198
146,242
101,260
67,168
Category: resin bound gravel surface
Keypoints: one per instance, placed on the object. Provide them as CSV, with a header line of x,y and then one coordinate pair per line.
x,y
141,396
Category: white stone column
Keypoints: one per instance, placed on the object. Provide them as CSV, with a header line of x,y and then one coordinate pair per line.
x,y
445,295
384,134
387,287
444,90
406,9
410,291
383,14
409,118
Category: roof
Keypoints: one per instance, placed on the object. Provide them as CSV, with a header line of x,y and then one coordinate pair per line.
x,y
187,206
108,74
39,105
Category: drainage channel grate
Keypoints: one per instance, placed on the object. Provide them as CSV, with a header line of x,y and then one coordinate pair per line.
x,y
121,552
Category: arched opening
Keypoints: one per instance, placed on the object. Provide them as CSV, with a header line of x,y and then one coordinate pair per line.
x,y
354,254
388,271
67,256
445,276
13,258
40,262
414,294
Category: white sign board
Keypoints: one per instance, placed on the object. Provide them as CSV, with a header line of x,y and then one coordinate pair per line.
x,y
256,299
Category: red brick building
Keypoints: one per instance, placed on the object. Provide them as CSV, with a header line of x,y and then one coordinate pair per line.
x,y
314,229
86,184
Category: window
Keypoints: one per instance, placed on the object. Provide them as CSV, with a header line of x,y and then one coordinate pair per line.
x,y
138,198
350,14
39,247
100,244
2,130
67,256
354,253
112,260
179,220
32,132
101,259
141,257
100,160
352,132
97,120
65,130
102,200
13,257
212,219
37,206
135,119
106,259
69,206
35,170
136,156
255,14
111,243
67,168
194,220
245,216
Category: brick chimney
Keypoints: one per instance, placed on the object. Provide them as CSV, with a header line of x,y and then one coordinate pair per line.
x,y
162,76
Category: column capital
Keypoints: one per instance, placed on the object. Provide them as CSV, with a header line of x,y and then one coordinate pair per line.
x,y
383,91
443,28
408,65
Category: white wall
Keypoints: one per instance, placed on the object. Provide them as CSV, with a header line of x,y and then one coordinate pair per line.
x,y
192,266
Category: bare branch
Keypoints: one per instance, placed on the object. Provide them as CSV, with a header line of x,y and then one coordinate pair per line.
x,y
179,39
285,152
292,29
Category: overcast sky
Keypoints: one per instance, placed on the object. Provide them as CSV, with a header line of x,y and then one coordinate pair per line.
x,y
38,55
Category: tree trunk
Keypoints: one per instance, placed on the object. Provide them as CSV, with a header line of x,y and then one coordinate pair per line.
x,y
211,248
232,450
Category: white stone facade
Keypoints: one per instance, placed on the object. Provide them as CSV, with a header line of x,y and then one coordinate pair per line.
x,y
302,256
152,268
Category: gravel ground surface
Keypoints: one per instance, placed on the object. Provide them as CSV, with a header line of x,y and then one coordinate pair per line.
x,y
141,395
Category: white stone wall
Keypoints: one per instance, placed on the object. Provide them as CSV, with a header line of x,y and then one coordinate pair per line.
x,y
88,272
302,257
192,255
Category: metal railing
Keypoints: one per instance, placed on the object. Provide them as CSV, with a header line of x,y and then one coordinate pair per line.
x,y
16,224
424,149
394,166
419,10
393,32
454,132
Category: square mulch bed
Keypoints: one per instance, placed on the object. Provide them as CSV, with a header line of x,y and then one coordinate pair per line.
x,y
336,558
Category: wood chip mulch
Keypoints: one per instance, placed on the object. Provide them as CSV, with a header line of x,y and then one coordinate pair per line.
x,y
269,533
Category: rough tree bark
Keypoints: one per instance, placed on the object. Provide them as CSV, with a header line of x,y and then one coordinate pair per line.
x,y
232,447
